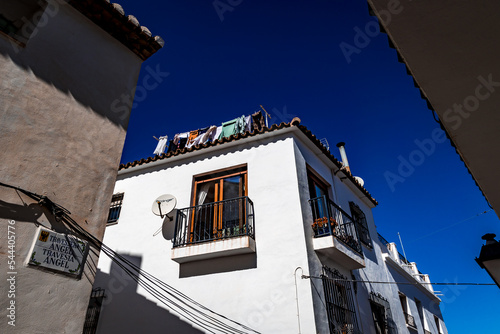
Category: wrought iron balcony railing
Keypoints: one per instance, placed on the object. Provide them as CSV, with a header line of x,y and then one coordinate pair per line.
x,y
410,320
214,221
330,219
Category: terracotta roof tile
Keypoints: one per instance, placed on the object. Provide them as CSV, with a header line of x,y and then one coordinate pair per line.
x,y
126,29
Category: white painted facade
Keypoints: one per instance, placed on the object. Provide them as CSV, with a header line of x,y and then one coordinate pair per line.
x,y
255,281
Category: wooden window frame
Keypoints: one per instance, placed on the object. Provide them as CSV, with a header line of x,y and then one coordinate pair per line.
x,y
221,174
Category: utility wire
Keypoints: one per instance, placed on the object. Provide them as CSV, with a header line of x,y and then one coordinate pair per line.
x,y
450,226
382,282
172,298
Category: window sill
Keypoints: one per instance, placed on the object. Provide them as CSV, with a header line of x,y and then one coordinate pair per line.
x,y
214,249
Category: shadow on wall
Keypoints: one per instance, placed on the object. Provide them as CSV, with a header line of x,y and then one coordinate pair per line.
x,y
31,213
99,59
126,311
218,265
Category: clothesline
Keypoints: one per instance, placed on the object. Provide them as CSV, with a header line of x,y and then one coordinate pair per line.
x,y
188,139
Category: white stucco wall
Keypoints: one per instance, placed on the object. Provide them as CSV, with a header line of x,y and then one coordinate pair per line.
x,y
262,297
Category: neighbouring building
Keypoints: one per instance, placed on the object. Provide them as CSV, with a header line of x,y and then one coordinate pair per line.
x,y
64,69
451,51
269,229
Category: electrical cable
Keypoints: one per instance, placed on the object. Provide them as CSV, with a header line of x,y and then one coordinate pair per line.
x,y
172,298
402,283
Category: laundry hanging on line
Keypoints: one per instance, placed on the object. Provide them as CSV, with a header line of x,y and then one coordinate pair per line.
x,y
162,144
253,122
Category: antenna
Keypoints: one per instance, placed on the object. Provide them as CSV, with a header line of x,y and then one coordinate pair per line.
x,y
267,114
324,141
402,247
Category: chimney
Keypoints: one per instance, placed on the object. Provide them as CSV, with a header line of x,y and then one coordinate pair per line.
x,y
343,155
490,238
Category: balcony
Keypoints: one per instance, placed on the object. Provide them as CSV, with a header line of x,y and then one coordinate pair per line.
x,y
335,234
212,230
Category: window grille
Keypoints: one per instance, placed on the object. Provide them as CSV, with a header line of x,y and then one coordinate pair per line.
x,y
339,303
115,208
381,313
93,311
360,220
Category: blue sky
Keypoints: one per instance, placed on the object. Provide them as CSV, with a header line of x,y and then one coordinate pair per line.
x,y
286,55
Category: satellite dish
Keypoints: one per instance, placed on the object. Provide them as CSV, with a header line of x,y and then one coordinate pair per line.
x,y
360,180
163,205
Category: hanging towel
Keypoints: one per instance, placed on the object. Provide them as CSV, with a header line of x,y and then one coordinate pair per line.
x,y
228,128
216,134
162,143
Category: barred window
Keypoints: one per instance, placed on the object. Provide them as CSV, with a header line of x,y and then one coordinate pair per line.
x,y
359,219
381,314
115,208
339,302
93,311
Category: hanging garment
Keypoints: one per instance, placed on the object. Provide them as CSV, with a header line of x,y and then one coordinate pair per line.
x,y
228,128
207,135
248,126
178,137
240,124
162,144
258,121
215,135
201,134
182,143
171,146
191,138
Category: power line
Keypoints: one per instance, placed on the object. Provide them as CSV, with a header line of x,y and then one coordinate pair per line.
x,y
172,298
402,283
450,226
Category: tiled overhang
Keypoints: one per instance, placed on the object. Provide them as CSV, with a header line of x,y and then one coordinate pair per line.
x,y
126,29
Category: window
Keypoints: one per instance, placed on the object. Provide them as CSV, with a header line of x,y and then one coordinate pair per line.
x,y
93,311
317,187
339,302
421,314
381,314
114,209
219,200
438,324
19,18
410,320
362,226
318,192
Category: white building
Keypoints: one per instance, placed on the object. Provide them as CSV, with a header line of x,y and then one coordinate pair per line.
x,y
251,240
